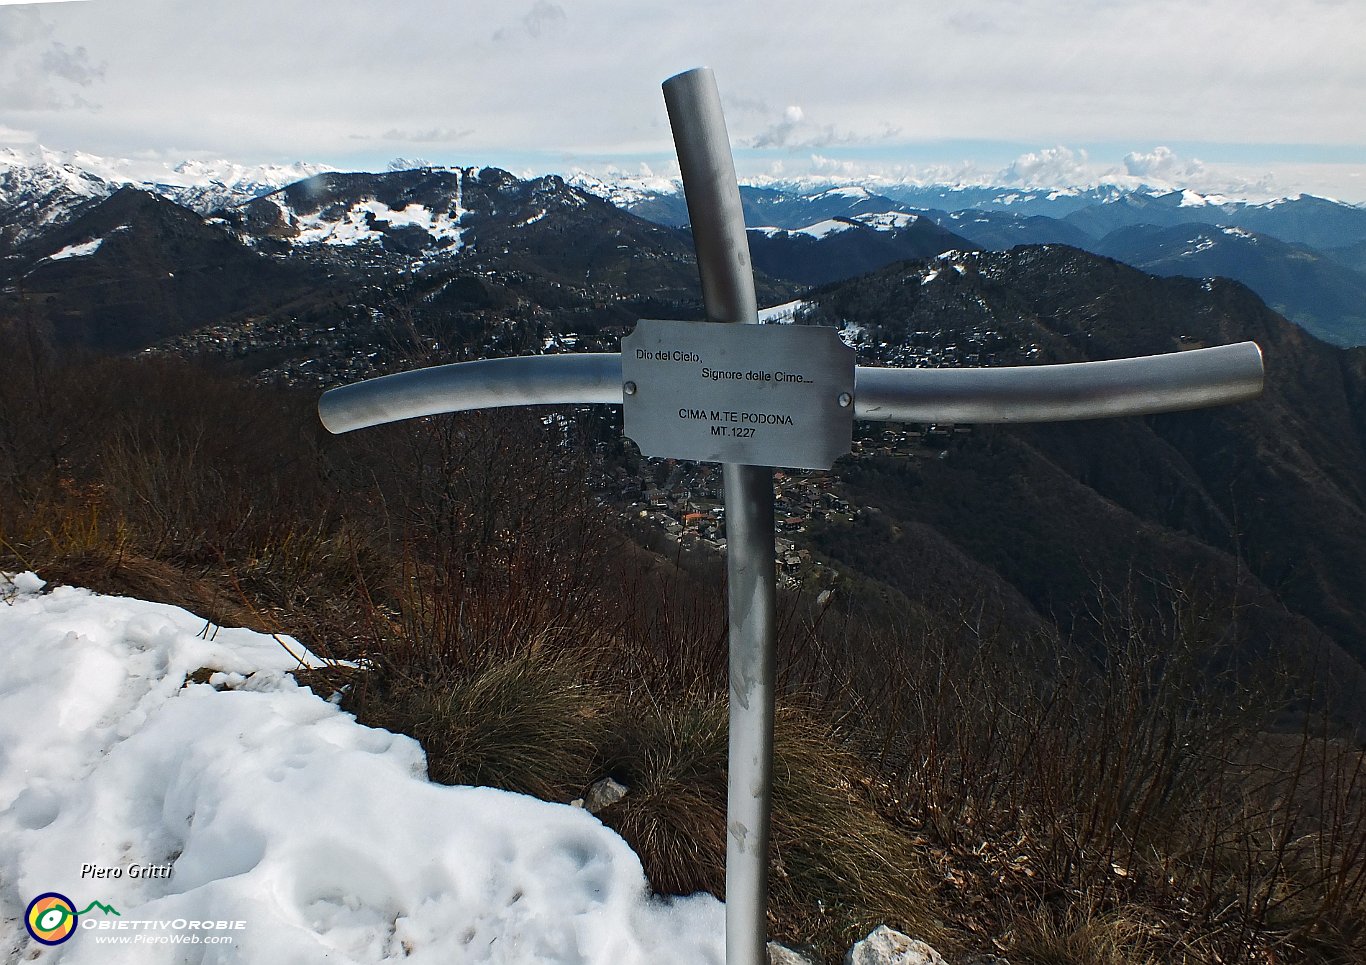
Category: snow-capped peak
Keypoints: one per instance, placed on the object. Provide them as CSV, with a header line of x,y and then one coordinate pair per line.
x,y
41,188
41,169
625,190
203,185
887,220
232,174
210,185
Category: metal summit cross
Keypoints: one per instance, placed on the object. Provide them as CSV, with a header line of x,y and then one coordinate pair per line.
x,y
756,397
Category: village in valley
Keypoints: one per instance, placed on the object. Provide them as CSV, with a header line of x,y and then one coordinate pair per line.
x,y
679,501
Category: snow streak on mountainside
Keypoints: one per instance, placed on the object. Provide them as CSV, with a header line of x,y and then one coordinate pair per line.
x,y
83,250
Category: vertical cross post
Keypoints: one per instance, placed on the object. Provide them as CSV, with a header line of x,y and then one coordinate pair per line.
x,y
723,261
820,408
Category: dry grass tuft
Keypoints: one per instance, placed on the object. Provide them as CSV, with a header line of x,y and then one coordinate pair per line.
x,y
528,724
672,756
839,867
1072,939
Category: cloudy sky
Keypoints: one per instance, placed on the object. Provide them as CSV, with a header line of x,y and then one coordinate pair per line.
x,y
1258,96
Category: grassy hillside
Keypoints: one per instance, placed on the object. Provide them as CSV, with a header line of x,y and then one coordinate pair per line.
x,y
989,786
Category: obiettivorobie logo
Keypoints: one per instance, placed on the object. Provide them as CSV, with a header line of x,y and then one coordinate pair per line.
x,y
51,918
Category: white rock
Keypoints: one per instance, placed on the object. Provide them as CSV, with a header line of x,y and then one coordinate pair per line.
x,y
602,794
887,946
782,955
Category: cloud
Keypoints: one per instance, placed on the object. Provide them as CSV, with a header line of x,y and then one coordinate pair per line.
x,y
794,132
1061,167
974,22
71,64
782,132
541,18
1048,168
435,135
9,135
36,73
1160,168
1163,164
849,169
1079,73
21,27
841,167
1164,168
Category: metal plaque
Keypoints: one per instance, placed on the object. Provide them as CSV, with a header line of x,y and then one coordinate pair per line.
x,y
756,395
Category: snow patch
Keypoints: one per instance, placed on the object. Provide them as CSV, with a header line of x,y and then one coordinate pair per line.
x,y
532,220
15,585
82,250
273,807
361,223
853,335
820,229
956,259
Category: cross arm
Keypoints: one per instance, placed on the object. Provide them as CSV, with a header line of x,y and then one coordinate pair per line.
x,y
1028,393
1055,393
525,380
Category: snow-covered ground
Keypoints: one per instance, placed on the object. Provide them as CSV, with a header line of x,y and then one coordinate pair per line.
x,y
354,226
247,820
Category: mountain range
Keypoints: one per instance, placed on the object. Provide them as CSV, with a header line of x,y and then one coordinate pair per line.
x,y
123,267
1303,255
